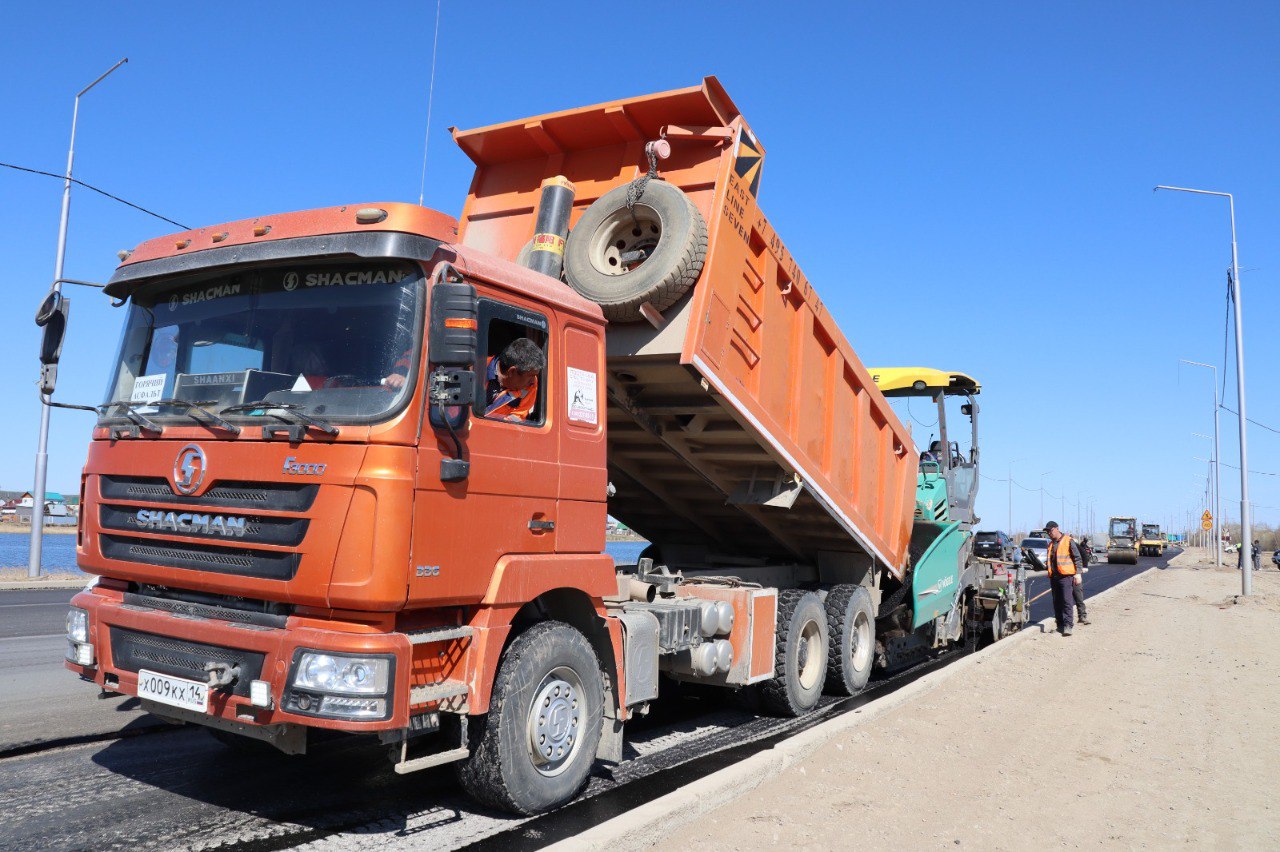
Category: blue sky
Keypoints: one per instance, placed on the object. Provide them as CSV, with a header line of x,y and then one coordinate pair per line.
x,y
968,185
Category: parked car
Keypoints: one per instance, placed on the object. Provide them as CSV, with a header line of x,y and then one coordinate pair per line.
x,y
1037,547
1275,557
994,544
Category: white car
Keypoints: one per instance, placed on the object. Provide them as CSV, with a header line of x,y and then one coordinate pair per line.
x,y
1037,546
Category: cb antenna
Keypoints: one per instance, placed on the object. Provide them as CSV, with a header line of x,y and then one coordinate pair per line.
x,y
431,89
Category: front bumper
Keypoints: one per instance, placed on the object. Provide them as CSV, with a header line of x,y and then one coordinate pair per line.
x,y
270,651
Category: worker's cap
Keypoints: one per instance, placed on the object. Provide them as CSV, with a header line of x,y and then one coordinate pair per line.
x,y
1052,525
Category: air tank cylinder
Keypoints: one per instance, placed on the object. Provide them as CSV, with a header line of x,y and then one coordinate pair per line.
x,y
551,227
717,618
706,660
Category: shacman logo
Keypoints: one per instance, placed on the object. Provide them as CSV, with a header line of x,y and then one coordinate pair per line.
x,y
291,281
231,526
189,469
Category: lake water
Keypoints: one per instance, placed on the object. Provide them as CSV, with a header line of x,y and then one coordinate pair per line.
x,y
59,553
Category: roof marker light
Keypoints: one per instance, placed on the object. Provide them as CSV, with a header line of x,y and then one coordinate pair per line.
x,y
262,230
217,238
370,215
182,244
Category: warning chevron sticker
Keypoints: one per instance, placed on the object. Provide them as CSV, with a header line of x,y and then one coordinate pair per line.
x,y
747,160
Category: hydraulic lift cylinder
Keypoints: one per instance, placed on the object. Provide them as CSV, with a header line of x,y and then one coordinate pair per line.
x,y
552,226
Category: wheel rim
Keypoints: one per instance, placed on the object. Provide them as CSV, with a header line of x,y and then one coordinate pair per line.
x,y
622,233
860,644
554,721
809,659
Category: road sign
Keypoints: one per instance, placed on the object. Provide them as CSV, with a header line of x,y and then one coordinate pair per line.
x,y
1206,525
1206,516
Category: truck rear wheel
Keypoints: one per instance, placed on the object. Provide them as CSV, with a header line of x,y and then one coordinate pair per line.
x,y
535,747
800,655
620,258
852,643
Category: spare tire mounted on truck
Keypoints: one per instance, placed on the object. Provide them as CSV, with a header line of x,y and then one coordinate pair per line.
x,y
621,257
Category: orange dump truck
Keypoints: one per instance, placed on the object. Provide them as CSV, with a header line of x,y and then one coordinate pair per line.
x,y
354,465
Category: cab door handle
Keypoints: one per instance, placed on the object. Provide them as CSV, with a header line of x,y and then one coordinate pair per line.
x,y
542,526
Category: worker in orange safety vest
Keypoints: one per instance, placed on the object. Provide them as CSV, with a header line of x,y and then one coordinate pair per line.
x,y
1066,566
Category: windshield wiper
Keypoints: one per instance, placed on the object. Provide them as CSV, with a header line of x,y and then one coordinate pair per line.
x,y
190,408
140,420
291,412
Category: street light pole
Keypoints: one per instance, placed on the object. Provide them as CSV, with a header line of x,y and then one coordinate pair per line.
x,y
1246,532
1042,476
1217,465
1011,494
42,450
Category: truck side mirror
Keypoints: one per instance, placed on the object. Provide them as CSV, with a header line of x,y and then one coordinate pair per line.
x,y
452,349
52,316
455,320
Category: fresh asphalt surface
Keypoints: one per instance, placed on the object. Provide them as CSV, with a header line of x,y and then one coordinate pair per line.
x,y
86,773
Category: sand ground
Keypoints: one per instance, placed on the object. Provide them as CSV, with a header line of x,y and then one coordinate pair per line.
x,y
1155,726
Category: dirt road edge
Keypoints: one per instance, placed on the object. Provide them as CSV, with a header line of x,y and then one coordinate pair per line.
x,y
651,822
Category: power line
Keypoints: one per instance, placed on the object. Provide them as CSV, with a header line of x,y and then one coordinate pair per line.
x,y
1254,422
1258,472
431,91
137,207
1226,334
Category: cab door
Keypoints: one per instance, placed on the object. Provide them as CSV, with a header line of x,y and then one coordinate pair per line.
x,y
507,504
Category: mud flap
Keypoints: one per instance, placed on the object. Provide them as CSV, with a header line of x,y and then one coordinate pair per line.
x,y
610,748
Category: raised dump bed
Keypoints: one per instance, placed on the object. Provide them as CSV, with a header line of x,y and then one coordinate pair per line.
x,y
742,427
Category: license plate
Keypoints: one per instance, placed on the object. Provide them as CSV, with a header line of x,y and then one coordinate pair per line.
x,y
174,691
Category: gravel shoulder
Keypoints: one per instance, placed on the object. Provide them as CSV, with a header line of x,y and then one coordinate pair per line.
x,y
1152,726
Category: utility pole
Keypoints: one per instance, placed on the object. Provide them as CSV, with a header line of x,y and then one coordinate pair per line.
x,y
1246,531
42,450
1042,476
1217,465
1011,494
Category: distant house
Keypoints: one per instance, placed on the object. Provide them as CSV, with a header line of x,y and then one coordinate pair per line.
x,y
56,509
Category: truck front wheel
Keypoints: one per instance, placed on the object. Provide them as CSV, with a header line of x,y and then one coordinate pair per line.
x,y
535,747
800,655
852,642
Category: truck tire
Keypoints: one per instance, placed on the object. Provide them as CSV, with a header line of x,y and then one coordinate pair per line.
x,y
548,695
665,225
800,655
852,644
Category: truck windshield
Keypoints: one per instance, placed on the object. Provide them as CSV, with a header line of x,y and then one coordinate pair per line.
x,y
336,340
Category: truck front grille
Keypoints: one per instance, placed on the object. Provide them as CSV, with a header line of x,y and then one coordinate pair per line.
x,y
278,496
132,650
256,530
265,564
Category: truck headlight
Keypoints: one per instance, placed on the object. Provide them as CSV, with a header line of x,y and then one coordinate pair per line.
x,y
342,675
77,625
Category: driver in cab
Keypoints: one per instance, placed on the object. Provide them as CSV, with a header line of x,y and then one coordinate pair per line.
x,y
511,381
